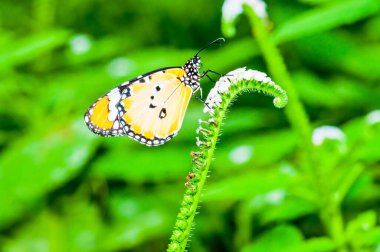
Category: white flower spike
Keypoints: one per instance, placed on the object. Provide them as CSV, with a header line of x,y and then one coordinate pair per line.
x,y
214,98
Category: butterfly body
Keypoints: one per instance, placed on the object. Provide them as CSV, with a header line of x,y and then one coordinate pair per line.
x,y
149,108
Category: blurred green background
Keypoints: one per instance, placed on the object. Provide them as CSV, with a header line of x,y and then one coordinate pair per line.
x,y
63,188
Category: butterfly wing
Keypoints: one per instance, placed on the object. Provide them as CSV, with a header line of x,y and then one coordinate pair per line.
x,y
101,117
150,109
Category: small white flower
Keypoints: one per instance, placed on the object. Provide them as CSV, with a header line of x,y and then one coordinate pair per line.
x,y
223,86
120,67
198,142
213,99
241,154
238,71
267,80
237,74
327,132
233,8
217,100
207,109
275,197
373,117
80,44
288,170
198,130
260,76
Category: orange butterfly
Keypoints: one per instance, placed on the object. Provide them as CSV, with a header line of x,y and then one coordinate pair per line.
x,y
149,108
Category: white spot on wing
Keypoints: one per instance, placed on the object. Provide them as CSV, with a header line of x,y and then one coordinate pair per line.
x,y
112,115
114,98
116,124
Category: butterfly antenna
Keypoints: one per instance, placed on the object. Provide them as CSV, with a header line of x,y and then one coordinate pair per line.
x,y
217,41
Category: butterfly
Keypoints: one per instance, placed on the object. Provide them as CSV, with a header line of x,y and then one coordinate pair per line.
x,y
149,108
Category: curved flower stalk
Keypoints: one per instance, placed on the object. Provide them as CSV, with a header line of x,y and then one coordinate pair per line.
x,y
217,102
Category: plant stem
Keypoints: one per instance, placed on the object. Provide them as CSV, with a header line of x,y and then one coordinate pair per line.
x,y
295,112
206,141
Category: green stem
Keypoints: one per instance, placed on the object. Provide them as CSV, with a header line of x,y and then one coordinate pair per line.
x,y
330,213
243,225
295,112
333,221
208,135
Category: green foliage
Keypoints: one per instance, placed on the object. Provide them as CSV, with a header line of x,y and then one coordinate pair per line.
x,y
64,189
326,18
288,238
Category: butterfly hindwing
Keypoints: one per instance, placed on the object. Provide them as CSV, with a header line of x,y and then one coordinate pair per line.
x,y
149,109
101,117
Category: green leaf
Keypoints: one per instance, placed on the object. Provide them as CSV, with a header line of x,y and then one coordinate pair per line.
x,y
349,56
29,48
77,228
283,238
318,92
363,137
246,185
288,209
361,230
320,244
37,164
326,18
162,164
345,181
286,238
262,149
137,218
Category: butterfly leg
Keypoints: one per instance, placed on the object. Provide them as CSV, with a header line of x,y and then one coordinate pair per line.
x,y
201,100
200,91
208,76
211,71
212,80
